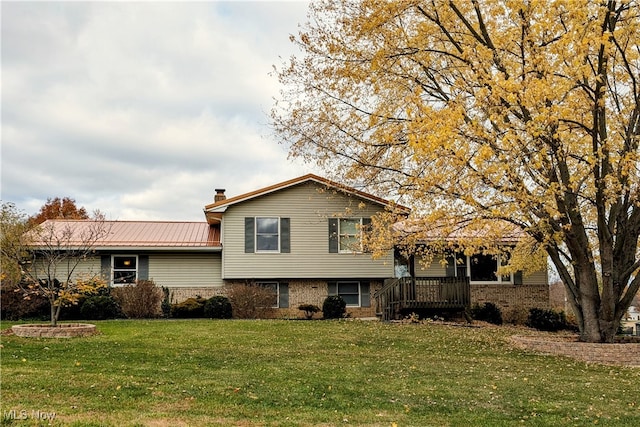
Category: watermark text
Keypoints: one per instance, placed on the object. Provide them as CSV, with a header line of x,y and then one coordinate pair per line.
x,y
23,414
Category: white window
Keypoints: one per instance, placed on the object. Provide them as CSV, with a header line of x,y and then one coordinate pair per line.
x,y
484,269
274,288
125,269
349,234
267,234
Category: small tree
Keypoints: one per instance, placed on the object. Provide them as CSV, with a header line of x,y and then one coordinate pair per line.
x,y
49,255
309,310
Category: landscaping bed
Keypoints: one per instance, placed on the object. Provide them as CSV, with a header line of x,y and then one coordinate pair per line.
x,y
62,330
626,350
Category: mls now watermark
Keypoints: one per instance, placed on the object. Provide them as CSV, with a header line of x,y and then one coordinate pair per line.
x,y
23,414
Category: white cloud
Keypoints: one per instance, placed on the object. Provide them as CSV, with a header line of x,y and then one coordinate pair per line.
x,y
141,109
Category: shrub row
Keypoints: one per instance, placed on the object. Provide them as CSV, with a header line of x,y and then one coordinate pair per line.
x,y
138,301
538,318
146,300
217,307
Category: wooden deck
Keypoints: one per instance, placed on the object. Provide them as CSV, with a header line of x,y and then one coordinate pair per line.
x,y
416,293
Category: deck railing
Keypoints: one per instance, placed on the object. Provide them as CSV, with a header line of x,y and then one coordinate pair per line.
x,y
407,293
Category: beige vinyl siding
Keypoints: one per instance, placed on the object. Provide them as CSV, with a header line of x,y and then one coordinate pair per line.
x,y
424,268
186,270
537,278
309,206
86,268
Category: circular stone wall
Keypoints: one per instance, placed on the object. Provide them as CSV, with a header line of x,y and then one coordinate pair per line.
x,y
65,330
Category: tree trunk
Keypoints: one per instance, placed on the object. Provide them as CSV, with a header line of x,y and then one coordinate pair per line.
x,y
54,314
597,325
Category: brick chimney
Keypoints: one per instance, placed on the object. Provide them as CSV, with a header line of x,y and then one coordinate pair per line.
x,y
219,195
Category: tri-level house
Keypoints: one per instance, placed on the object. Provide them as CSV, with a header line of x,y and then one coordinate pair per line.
x,y
302,239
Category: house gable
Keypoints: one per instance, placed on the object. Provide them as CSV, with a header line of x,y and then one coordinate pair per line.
x,y
304,210
213,210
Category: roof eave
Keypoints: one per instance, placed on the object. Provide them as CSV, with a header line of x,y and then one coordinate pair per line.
x,y
221,206
160,248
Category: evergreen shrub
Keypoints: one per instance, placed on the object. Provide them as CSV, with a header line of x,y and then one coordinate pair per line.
x,y
191,308
487,312
547,320
334,307
218,307
100,307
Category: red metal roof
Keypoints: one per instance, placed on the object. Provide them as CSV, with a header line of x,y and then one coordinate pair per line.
x,y
142,234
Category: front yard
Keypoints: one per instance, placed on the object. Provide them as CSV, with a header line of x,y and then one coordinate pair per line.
x,y
286,373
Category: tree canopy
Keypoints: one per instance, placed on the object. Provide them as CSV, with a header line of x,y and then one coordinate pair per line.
x,y
524,113
59,208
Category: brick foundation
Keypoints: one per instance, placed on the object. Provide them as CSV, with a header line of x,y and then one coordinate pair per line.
x,y
511,297
178,295
300,292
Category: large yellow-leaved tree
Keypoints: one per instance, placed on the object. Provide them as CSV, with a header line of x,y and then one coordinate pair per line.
x,y
475,112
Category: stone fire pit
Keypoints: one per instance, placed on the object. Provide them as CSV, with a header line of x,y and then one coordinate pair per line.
x,y
63,330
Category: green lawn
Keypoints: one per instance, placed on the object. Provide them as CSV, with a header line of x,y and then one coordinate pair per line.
x,y
289,373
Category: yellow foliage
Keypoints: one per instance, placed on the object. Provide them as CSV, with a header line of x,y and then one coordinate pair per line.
x,y
477,114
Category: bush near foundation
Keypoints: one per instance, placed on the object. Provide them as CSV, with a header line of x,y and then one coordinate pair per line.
x,y
165,305
547,320
516,316
191,308
100,307
334,307
487,312
218,307
250,301
14,306
139,301
309,310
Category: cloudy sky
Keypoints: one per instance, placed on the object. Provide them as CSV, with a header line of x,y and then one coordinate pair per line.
x,y
141,109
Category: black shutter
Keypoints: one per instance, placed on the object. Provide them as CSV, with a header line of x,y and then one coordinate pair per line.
x,y
517,278
283,296
333,235
365,294
249,235
105,267
285,235
143,267
366,229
